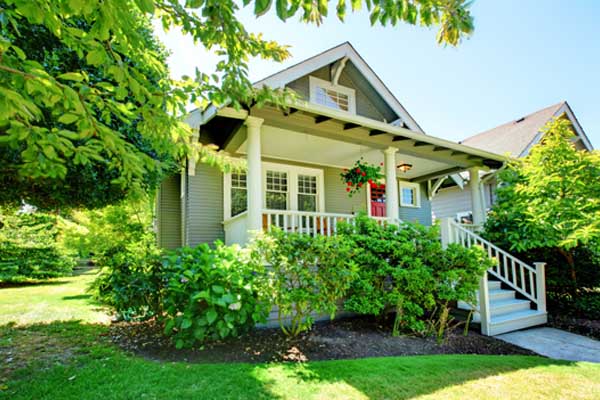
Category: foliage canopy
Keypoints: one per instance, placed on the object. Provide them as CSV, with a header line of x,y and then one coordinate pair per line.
x,y
57,120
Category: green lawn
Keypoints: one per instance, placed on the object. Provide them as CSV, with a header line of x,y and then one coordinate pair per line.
x,y
70,359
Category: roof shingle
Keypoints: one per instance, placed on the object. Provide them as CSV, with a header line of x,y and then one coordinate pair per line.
x,y
515,136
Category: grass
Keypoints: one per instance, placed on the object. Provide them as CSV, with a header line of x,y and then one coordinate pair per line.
x,y
57,344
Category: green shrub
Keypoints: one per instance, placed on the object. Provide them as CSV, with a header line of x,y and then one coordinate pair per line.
x,y
456,277
30,248
212,293
307,274
404,269
130,279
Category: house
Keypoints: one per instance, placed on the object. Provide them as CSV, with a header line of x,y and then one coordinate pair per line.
x,y
514,138
295,157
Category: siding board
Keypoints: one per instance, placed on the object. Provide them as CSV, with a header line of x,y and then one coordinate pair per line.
x,y
168,213
205,206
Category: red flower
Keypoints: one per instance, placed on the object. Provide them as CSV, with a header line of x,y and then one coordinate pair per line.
x,y
349,183
373,185
359,184
347,189
358,170
370,181
381,164
364,174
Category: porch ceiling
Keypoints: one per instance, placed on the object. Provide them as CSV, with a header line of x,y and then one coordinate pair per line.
x,y
288,145
345,137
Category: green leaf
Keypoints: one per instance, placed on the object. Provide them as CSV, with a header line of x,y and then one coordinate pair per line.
x,y
96,57
68,118
179,344
72,76
186,323
218,289
261,7
211,316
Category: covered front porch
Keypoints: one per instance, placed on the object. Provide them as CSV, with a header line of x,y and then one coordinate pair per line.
x,y
295,157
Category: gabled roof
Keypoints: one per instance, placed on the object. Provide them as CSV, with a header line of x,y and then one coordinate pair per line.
x,y
516,137
327,57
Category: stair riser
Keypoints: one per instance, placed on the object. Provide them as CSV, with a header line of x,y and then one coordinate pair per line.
x,y
502,295
509,326
493,285
507,309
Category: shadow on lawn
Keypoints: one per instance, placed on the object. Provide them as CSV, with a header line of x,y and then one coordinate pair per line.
x,y
405,377
45,357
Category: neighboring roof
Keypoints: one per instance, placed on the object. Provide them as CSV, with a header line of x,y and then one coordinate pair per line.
x,y
516,137
290,74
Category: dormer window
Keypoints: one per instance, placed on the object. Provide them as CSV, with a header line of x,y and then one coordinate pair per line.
x,y
333,96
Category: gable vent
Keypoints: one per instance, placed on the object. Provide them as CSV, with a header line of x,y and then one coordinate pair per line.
x,y
520,120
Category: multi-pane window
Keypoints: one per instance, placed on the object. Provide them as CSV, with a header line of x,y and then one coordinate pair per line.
x,y
409,195
307,193
277,190
239,193
332,98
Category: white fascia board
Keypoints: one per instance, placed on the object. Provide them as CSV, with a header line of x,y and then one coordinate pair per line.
x,y
395,130
280,79
460,182
566,109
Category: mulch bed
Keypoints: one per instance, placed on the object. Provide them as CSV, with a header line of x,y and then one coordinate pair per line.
x,y
582,326
332,340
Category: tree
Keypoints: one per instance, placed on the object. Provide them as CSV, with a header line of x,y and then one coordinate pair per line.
x,y
54,121
46,49
550,199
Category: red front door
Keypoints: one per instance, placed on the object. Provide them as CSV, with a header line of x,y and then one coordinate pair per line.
x,y
378,201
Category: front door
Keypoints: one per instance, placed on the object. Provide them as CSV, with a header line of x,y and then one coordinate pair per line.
x,y
378,201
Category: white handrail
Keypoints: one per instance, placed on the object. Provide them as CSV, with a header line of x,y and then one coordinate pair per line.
x,y
310,222
523,278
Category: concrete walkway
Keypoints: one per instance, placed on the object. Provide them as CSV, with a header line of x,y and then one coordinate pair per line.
x,y
555,343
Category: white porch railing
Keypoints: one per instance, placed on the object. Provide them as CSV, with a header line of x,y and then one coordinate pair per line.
x,y
527,280
312,223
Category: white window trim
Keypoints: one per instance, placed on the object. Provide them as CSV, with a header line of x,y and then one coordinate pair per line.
x,y
410,185
314,83
292,176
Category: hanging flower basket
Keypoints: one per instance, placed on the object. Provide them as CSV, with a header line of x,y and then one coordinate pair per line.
x,y
361,174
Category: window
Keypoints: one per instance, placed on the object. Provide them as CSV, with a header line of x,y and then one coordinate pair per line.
x,y
307,193
277,190
409,195
332,96
239,193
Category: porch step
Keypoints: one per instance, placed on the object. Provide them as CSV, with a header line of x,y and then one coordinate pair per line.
x,y
494,285
501,294
508,306
516,320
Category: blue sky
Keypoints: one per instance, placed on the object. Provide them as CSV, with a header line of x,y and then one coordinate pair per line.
x,y
523,56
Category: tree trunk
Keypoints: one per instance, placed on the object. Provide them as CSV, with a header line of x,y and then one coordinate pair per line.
x,y
568,255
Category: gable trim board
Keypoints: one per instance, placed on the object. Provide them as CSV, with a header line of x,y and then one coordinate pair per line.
x,y
327,57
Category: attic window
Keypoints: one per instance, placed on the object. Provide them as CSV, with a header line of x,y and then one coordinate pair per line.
x,y
333,96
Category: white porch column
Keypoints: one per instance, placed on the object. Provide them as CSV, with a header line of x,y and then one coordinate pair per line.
x,y
254,175
391,185
476,197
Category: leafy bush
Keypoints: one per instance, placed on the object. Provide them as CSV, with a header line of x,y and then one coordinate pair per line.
x,y
212,293
404,269
456,276
130,279
30,247
308,275
93,233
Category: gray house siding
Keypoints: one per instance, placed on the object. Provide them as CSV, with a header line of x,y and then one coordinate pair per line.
x,y
366,97
450,201
205,206
168,213
336,197
421,214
